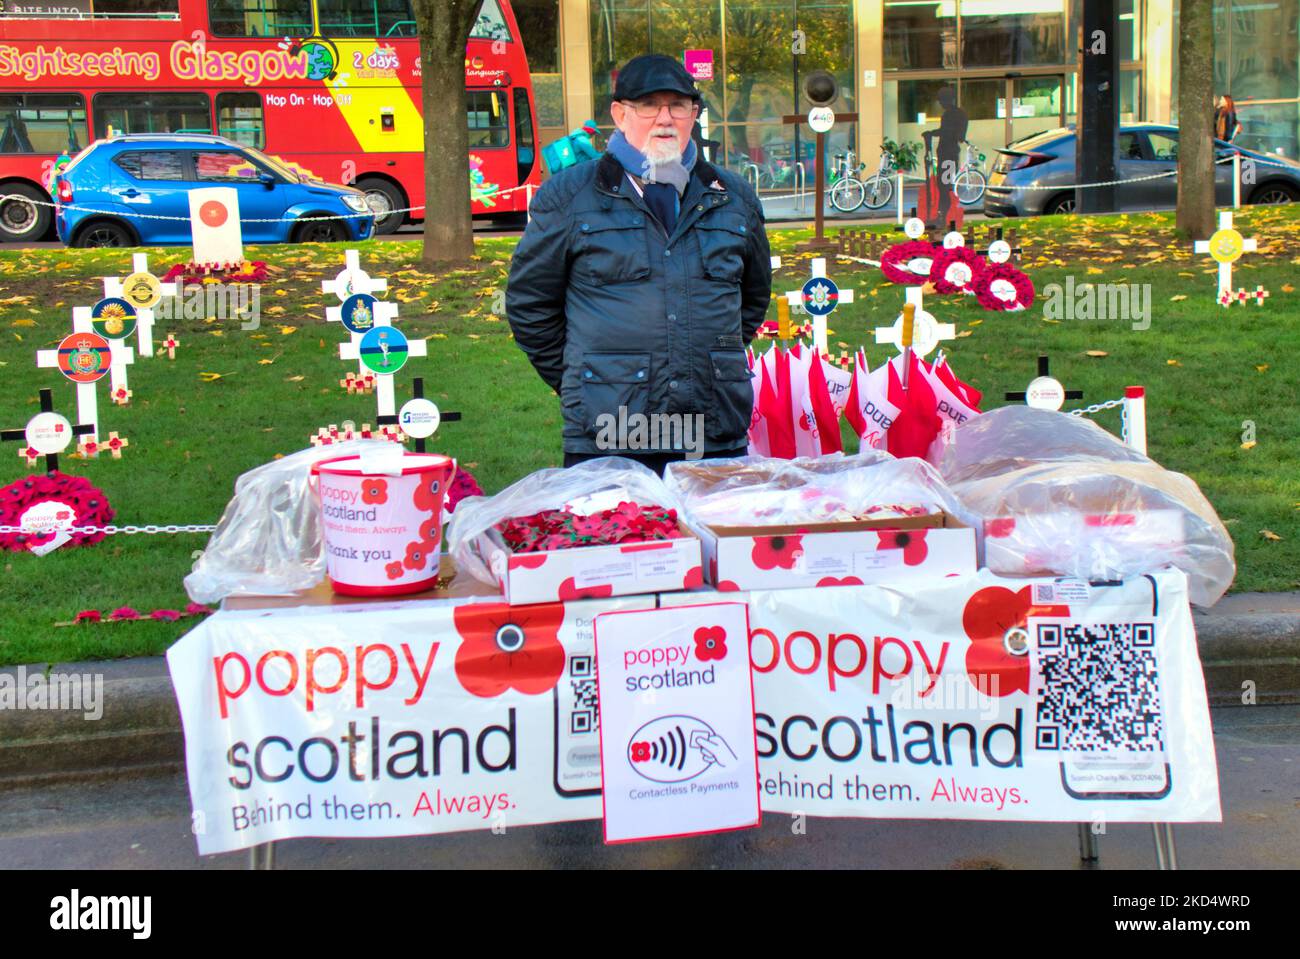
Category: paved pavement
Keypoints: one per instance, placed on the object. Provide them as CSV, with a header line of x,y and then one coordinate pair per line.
x,y
144,823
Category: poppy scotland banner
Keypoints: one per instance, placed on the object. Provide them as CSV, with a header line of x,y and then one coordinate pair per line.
x,y
972,697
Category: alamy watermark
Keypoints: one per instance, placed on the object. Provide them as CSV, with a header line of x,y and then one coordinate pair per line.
x,y
651,432
221,301
78,692
1098,301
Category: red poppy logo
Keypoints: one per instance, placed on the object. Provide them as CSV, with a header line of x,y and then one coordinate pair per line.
x,y
213,213
694,577
910,541
996,620
846,581
428,495
374,491
528,561
417,556
771,552
640,752
394,570
569,591
710,643
509,647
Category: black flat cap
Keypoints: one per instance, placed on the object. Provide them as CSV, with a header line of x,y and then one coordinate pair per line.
x,y
653,73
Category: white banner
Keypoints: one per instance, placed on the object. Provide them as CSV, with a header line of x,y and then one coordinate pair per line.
x,y
972,698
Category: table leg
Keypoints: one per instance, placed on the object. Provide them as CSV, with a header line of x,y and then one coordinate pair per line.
x,y
1166,852
1089,854
262,857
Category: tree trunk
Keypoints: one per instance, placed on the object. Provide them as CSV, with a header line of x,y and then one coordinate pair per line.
x,y
444,27
1196,119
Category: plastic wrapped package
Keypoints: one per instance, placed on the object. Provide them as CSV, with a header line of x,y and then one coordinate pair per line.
x,y
763,491
1060,496
268,542
589,487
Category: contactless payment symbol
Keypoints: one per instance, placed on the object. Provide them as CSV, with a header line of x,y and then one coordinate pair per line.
x,y
113,318
142,290
358,312
673,749
820,295
384,349
84,357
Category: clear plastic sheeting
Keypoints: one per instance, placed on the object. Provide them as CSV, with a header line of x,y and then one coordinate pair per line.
x,y
763,491
268,542
587,488
1060,496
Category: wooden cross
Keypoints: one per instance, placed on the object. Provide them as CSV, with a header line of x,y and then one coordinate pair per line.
x,y
1226,246
821,300
927,331
114,286
819,241
417,391
57,427
1044,392
170,345
993,235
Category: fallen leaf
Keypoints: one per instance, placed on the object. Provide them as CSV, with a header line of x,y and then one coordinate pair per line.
x,y
1096,353
217,332
209,377
1248,445
964,333
1271,536
23,323
974,322
1094,270
295,379
1288,288
286,330
265,362
1172,363
1262,368
1180,296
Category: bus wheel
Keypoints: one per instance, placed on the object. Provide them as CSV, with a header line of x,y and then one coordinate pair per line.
x,y
22,220
320,231
383,197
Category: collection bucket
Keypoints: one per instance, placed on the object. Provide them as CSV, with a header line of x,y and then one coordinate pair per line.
x,y
382,530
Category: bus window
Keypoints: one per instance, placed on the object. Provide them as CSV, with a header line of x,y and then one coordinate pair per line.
x,y
366,18
523,133
491,25
137,9
260,18
152,113
42,123
488,123
239,118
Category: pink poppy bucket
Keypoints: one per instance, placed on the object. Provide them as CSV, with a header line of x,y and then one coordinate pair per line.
x,y
381,520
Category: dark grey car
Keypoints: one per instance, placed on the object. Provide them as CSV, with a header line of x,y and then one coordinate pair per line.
x,y
1034,176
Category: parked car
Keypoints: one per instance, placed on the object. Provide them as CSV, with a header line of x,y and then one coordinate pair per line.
x,y
153,173
1046,160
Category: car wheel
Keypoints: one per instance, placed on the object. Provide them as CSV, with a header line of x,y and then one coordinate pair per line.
x,y
1275,193
383,198
104,233
320,231
1060,204
22,216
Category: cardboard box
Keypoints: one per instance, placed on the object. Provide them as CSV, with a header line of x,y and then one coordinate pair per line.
x,y
837,554
589,572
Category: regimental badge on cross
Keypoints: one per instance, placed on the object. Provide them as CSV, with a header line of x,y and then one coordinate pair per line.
x,y
818,297
143,291
1226,246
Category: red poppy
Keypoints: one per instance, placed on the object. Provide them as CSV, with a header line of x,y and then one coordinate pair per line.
x,y
374,491
428,495
955,270
722,586
846,581
1007,279
417,555
640,752
87,616
394,570
528,561
431,530
710,643
509,647
123,612
694,577
169,615
569,591
773,551
910,541
197,609
992,618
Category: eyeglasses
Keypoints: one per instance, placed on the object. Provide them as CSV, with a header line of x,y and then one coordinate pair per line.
x,y
678,110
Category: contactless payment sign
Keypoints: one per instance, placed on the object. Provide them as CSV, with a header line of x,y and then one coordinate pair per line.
x,y
384,349
677,743
84,357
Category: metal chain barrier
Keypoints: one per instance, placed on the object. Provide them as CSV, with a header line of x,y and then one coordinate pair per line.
x,y
1107,405
112,530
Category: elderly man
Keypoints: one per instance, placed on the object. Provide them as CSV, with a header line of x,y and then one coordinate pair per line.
x,y
639,282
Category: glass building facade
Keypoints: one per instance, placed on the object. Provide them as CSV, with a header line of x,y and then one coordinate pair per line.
x,y
1013,65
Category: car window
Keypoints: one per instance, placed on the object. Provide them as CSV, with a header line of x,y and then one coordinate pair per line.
x,y
153,164
1130,148
224,166
1163,146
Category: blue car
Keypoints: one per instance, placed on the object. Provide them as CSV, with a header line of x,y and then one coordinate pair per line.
x,y
105,187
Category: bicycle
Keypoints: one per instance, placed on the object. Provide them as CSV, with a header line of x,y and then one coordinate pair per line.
x,y
879,186
969,183
847,191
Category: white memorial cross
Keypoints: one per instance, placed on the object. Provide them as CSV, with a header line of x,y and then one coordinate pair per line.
x,y
383,381
795,299
113,286
122,357
353,279
1226,247
927,332
87,400
385,313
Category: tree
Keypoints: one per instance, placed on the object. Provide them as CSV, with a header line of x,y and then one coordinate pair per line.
x,y
1196,119
444,27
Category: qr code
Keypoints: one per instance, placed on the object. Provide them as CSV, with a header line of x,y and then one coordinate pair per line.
x,y
1100,689
584,716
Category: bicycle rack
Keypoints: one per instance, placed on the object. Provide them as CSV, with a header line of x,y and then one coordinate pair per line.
x,y
800,183
745,174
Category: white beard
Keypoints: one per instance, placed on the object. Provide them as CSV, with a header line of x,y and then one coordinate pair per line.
x,y
662,150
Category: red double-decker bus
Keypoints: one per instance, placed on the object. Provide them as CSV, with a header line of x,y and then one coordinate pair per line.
x,y
330,87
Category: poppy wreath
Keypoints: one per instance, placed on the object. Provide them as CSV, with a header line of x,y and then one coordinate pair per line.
x,y
193,273
896,262
947,273
1007,273
89,506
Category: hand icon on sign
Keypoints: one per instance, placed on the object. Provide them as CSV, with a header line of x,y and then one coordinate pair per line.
x,y
713,748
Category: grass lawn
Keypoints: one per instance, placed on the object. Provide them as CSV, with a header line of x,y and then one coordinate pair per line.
x,y
233,399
